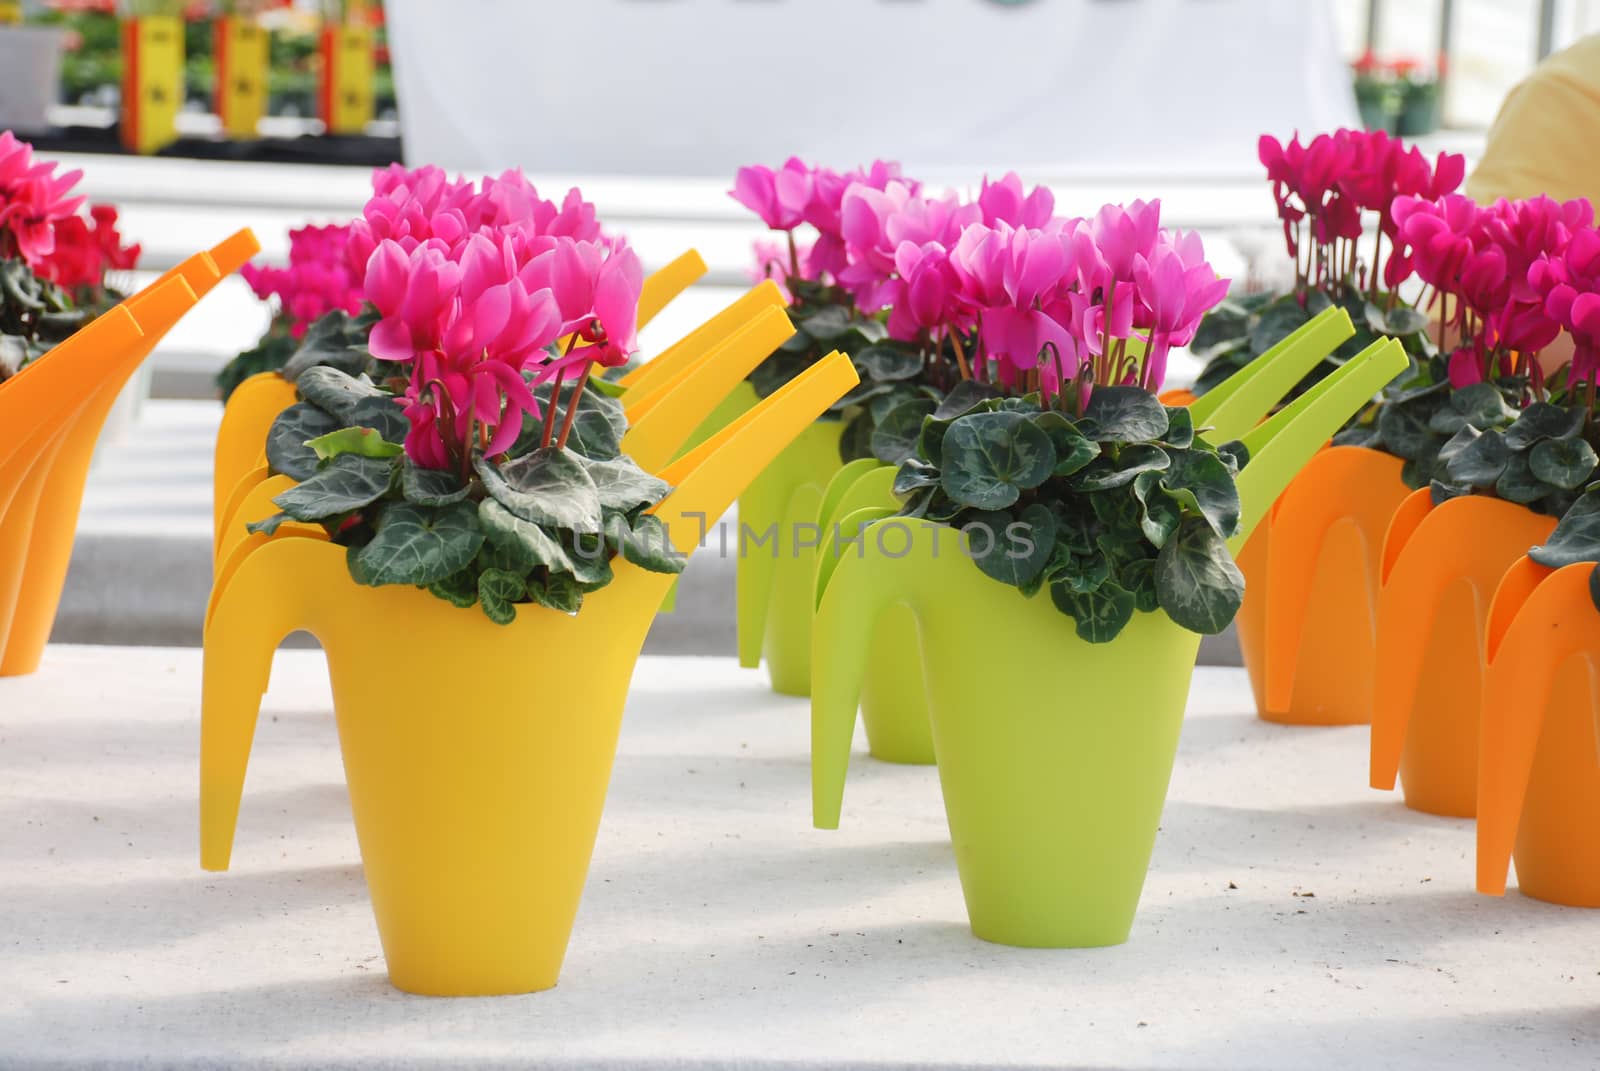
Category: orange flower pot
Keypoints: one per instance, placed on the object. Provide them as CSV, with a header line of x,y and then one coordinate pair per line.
x,y
53,412
1538,766
1321,590
1441,565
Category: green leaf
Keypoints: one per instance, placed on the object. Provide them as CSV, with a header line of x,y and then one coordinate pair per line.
x,y
1235,455
990,458
459,589
914,475
1405,429
337,340
499,591
1481,405
269,526
297,425
1565,463
550,486
430,487
1474,458
419,545
1518,483
558,591
647,544
855,441
1073,450
529,545
1139,578
1275,323
1100,614
597,429
1576,537
268,355
1440,492
889,361
336,392
623,485
1011,549
1123,415
895,438
963,397
1223,326
1159,513
1402,320
1201,482
1107,472
1180,427
364,442
1197,582
1541,420
590,556
348,483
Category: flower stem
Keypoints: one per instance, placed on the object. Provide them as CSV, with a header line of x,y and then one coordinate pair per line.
x,y
961,355
572,406
794,255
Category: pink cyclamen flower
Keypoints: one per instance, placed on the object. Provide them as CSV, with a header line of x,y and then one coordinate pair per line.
x,y
33,199
1177,287
317,281
1004,201
779,197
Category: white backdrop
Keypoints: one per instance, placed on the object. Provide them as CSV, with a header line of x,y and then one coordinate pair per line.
x,y
700,87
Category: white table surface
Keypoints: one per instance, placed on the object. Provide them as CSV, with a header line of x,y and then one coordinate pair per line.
x,y
1292,918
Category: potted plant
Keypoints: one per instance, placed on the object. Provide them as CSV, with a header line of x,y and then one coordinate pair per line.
x,y
1377,100
1328,191
875,283
1063,540
318,317
1418,93
1538,776
61,371
1518,454
464,496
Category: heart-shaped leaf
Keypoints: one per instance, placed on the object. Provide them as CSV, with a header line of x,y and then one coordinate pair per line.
x,y
1073,449
1197,582
1106,472
499,592
1100,614
895,438
889,361
1542,420
1565,463
1123,415
990,458
1576,537
549,487
963,397
297,425
348,483
419,545
430,487
1012,549
646,543
623,485
1518,483
529,545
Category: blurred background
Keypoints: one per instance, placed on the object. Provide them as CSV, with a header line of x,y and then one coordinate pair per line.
x,y
194,118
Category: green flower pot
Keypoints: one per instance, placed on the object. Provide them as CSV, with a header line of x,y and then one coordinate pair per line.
x,y
1054,754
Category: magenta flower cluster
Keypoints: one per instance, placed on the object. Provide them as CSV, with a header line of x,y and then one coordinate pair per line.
x,y
1325,190
1045,300
1569,283
485,291
1504,271
33,201
319,278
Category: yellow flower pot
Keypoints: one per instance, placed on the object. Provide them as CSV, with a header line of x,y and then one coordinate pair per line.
x,y
478,763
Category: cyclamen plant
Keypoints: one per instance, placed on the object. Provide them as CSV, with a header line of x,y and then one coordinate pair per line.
x,y
1055,427
319,279
1329,192
478,460
875,282
54,262
1488,270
